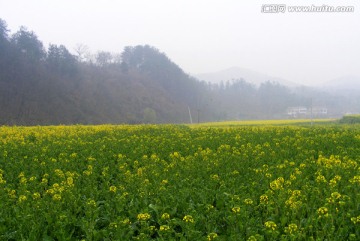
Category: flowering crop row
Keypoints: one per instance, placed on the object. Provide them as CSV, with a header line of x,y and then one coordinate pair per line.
x,y
172,182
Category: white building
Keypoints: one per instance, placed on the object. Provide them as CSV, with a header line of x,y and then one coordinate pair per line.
x,y
301,111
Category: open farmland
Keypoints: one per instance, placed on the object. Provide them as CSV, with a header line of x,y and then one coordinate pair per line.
x,y
174,182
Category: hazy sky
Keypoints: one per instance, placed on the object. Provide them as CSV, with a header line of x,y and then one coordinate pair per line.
x,y
205,35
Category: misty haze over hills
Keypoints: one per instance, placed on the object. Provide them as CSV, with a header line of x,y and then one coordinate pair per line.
x,y
346,83
256,78
341,90
235,73
141,84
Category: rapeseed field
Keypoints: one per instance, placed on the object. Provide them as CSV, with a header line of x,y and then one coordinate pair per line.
x,y
175,182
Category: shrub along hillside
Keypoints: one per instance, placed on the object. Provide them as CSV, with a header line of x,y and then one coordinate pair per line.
x,y
350,119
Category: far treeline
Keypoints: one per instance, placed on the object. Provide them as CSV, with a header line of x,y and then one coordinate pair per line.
x,y
40,86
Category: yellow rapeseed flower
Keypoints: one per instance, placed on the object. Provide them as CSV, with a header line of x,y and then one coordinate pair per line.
x,y
70,181
59,173
214,176
56,197
271,225
188,219
264,199
355,179
112,189
50,191
12,193
143,216
2,181
22,198
277,184
165,216
212,236
91,202
126,221
355,220
335,195
235,209
44,180
320,178
302,165
164,227
323,211
36,195
252,238
291,229
87,172
23,180
113,225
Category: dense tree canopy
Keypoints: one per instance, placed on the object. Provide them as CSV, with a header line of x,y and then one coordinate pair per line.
x,y
3,31
60,60
28,44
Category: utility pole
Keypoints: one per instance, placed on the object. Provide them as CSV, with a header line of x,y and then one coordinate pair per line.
x,y
198,117
311,111
190,115
198,109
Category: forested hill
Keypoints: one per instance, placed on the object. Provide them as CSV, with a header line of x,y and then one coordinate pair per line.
x,y
52,86
49,86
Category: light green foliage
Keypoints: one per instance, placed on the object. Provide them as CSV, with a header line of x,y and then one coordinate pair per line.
x,y
350,119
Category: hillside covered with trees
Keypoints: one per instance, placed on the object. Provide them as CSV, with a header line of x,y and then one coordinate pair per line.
x,y
46,86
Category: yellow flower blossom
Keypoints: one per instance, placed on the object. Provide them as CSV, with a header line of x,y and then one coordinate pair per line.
x,y
214,176
2,180
355,220
164,228
252,238
323,212
126,221
112,189
355,179
165,216
264,199
188,219
277,184
320,178
143,216
271,225
12,193
212,236
36,195
91,203
113,225
56,197
70,181
235,209
22,198
291,229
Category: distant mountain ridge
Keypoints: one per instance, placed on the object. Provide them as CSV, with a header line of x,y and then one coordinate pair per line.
x,y
344,83
248,75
